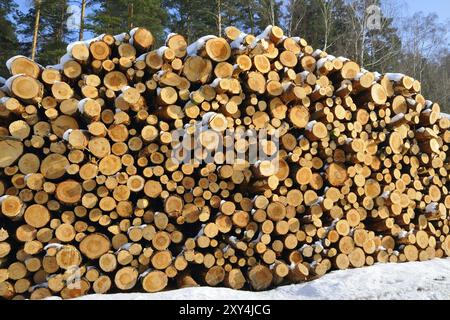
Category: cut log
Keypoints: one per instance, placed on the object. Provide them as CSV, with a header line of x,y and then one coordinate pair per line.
x,y
95,245
260,277
155,281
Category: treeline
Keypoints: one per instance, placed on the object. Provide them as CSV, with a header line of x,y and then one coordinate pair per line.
x,y
415,45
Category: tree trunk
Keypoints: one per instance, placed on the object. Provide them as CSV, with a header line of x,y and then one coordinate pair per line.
x,y
37,5
83,9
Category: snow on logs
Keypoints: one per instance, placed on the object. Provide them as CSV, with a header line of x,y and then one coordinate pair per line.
x,y
93,199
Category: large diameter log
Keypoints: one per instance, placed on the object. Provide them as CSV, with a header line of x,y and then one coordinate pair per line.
x,y
115,81
27,89
336,174
12,207
54,166
68,257
215,276
10,152
95,245
235,279
178,44
218,49
23,65
37,216
126,278
69,192
155,281
143,39
260,277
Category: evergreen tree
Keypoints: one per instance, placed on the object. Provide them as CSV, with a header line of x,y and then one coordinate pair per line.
x,y
266,12
114,17
196,18
53,34
322,23
191,18
8,39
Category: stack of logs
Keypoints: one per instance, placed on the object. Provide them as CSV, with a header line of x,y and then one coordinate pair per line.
x,y
93,201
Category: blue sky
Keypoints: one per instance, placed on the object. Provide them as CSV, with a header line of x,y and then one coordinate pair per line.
x,y
441,7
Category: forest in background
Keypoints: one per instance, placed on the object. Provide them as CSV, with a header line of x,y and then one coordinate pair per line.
x,y
416,45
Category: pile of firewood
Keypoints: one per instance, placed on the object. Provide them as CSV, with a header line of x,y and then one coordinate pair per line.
x,y
93,199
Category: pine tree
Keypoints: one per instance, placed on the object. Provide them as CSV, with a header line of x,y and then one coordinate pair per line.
x,y
233,13
8,39
114,17
267,12
191,18
53,34
196,18
322,23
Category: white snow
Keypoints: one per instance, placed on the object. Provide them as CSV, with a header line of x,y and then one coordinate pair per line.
x,y
82,103
11,60
8,83
193,49
170,35
262,36
66,134
398,117
316,54
53,245
126,246
4,100
310,125
343,59
377,76
396,77
142,57
120,37
161,51
428,280
321,62
238,43
431,208
215,83
132,32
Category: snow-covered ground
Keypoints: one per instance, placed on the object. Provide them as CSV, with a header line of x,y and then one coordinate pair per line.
x,y
417,280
